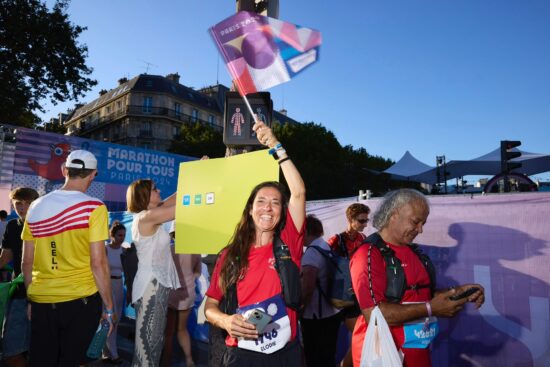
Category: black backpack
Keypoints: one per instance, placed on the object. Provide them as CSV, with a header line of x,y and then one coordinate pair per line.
x,y
339,290
396,281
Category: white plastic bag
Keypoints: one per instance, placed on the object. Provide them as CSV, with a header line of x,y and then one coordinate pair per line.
x,y
379,349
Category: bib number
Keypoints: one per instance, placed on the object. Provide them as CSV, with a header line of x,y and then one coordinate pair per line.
x,y
276,334
419,333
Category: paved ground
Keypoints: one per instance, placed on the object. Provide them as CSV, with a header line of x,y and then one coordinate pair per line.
x,y
126,349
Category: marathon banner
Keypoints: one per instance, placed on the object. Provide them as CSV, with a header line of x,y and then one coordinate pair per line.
x,y
38,157
501,241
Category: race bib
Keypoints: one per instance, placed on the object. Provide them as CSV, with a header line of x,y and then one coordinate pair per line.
x,y
419,333
276,334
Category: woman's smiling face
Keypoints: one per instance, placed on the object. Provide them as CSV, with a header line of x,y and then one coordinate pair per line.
x,y
266,209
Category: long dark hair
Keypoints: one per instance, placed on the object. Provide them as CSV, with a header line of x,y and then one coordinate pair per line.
x,y
235,261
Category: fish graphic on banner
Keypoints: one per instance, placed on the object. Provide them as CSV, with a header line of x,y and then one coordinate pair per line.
x,y
261,52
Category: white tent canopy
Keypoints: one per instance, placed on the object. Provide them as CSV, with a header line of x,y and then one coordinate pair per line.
x,y
407,167
487,164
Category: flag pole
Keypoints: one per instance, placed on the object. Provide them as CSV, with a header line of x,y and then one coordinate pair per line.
x,y
254,116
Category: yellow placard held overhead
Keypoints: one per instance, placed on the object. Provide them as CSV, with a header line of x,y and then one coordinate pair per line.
x,y
211,197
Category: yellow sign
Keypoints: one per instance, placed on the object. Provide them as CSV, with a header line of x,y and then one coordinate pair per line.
x,y
211,197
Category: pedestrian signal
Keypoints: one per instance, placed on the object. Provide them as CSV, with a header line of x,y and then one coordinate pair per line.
x,y
238,121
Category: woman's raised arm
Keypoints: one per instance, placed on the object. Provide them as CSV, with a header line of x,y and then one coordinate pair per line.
x,y
297,203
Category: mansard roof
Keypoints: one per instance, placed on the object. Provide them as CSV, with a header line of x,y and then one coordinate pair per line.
x,y
154,84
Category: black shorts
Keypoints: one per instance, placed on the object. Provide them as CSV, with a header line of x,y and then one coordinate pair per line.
x,y
290,356
61,332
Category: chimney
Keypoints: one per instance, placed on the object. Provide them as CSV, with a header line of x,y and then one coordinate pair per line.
x,y
283,112
122,80
175,77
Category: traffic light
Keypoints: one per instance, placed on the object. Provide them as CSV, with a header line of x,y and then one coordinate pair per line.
x,y
506,155
238,121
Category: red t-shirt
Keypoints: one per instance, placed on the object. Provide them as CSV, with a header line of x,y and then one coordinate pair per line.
x,y
351,243
415,274
261,281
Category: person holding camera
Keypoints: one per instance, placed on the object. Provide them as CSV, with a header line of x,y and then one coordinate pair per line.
x,y
254,292
390,272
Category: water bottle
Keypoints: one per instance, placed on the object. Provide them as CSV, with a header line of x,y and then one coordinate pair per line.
x,y
98,342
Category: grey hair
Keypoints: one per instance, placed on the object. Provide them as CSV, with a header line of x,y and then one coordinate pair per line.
x,y
394,200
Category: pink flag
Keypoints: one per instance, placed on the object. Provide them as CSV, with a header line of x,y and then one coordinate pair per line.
x,y
261,52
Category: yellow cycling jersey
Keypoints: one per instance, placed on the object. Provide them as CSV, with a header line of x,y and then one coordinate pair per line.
x,y
62,225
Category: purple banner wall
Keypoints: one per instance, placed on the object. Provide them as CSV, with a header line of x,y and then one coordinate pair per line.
x,y
500,241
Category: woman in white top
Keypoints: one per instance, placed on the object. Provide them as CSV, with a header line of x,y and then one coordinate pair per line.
x,y
117,234
156,273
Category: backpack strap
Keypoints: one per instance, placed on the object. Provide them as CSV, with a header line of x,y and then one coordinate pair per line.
x,y
289,274
395,276
428,264
228,305
342,244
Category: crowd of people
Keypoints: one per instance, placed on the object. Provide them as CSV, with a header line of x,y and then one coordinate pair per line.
x,y
269,302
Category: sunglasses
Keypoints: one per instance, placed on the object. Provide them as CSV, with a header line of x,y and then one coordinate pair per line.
x,y
362,221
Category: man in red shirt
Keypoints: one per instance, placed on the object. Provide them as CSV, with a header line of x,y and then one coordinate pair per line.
x,y
399,219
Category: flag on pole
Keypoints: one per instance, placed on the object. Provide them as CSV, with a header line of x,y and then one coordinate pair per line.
x,y
261,52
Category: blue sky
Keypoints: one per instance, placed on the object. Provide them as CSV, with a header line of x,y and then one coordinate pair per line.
x,y
435,77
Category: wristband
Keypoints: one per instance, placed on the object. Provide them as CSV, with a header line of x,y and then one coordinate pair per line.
x,y
429,308
277,147
427,320
283,160
278,153
108,312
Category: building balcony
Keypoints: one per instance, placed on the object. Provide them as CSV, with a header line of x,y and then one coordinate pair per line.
x,y
152,112
169,113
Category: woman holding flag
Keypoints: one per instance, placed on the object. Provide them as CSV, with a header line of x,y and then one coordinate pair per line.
x,y
253,295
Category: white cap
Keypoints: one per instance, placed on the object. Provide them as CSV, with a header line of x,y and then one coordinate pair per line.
x,y
81,159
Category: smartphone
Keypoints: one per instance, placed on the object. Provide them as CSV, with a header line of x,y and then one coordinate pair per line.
x,y
259,318
468,292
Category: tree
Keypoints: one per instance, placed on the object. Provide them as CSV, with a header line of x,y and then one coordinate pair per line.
x,y
328,169
196,140
39,58
317,154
